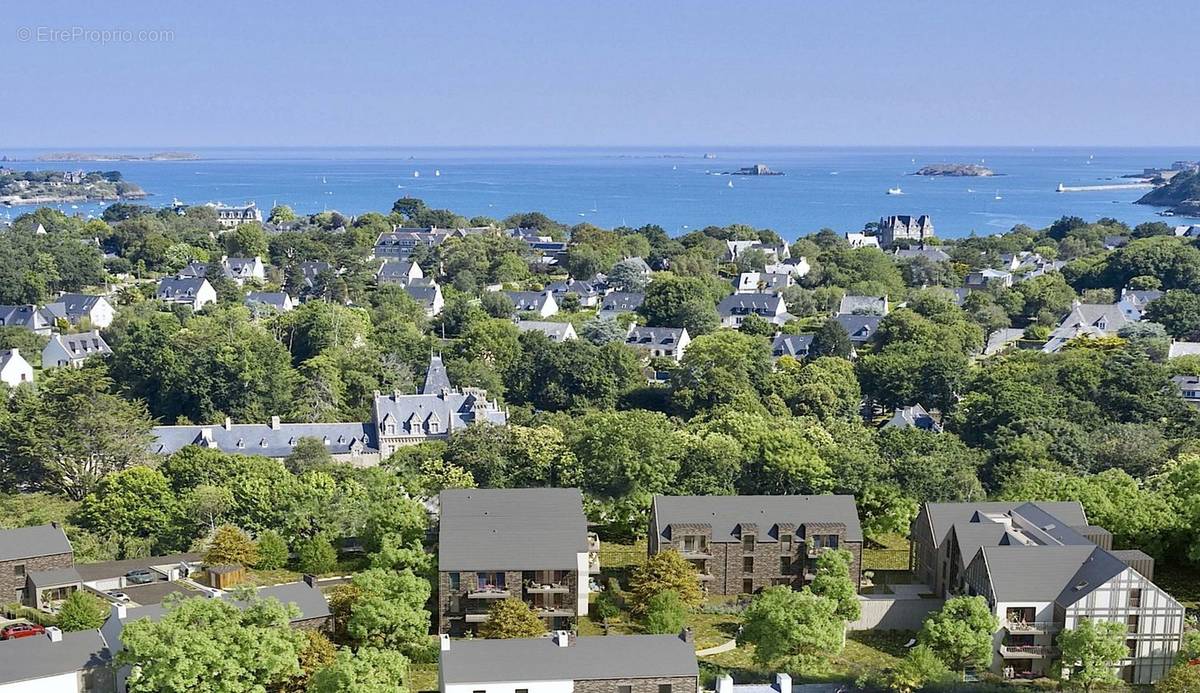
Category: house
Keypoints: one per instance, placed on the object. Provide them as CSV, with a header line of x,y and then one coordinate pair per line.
x,y
669,342
762,283
433,414
80,309
734,250
244,269
398,272
982,279
1133,303
734,309
619,302
530,544
556,331
638,263
195,292
862,240
311,270
863,305
269,301
567,663
73,349
26,550
931,253
1087,320
28,317
1043,569
57,662
1178,349
540,303
14,369
589,291
741,544
795,266
428,295
860,327
346,442
914,416
794,345
232,217
401,243
1189,387
902,227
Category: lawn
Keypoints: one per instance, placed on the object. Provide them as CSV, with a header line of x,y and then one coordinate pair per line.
x,y
422,677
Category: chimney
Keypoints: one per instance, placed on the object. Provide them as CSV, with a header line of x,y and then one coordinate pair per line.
x,y
310,579
228,425
725,684
54,634
15,352
445,642
54,524
274,423
562,638
783,683
686,636
118,612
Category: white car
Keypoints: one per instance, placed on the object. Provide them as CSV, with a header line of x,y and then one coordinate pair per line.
x,y
119,597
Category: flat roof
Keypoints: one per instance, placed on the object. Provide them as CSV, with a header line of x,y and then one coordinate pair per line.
x,y
511,529
588,657
112,569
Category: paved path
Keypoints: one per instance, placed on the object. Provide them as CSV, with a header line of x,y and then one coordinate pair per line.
x,y
723,647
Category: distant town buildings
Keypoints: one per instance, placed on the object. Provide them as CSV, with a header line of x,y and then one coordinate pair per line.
x,y
232,217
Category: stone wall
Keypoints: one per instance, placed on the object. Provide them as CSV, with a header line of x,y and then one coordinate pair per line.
x,y
468,581
679,684
11,583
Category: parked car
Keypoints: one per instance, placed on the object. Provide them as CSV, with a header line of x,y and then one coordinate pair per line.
x,y
119,597
140,576
21,630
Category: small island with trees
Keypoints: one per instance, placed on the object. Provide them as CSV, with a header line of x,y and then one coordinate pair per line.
x,y
1181,194
88,156
956,170
49,187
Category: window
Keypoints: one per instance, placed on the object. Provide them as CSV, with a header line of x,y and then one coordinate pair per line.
x,y
785,565
1131,645
1135,598
748,564
479,692
664,688
748,543
624,689
748,586
455,581
1132,622
695,543
521,690
19,570
785,543
832,541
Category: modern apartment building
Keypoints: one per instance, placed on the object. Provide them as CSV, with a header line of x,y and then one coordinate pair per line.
x,y
1043,569
531,544
741,544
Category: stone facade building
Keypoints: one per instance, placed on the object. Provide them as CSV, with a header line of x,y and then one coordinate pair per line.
x,y
28,550
741,544
903,227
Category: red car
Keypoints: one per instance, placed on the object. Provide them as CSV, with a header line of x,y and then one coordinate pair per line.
x,y
21,630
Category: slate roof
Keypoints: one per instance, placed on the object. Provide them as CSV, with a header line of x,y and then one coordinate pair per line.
x,y
589,657
763,281
194,269
425,294
29,317
643,336
310,600
914,416
42,579
1060,574
1088,319
82,345
73,307
860,327
528,300
240,267
725,513
395,269
436,378
276,299
511,529
942,516
557,331
310,270
175,288
587,287
1178,349
28,659
7,355
744,304
262,439
31,542
452,411
863,305
791,345
622,302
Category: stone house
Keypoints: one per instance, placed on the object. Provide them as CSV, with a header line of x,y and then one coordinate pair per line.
x,y
903,227
26,550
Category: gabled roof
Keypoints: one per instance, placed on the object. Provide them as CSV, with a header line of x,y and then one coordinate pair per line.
x,y
425,294
595,657
1060,574
654,336
309,600
263,439
933,253
32,542
29,317
511,529
791,344
74,307
81,345
863,305
528,300
726,513
860,327
742,304
558,331
175,287
37,657
942,516
275,299
395,269
914,416
622,301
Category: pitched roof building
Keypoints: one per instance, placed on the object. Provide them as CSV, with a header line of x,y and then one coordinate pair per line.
x,y
735,308
14,369
556,331
76,308
794,345
670,342
73,349
863,305
1087,320
619,302
195,292
28,317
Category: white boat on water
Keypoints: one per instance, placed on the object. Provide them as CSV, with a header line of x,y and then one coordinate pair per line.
x,y
998,197
731,184
437,172
895,191
416,174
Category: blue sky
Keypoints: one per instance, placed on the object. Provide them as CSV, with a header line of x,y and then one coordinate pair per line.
x,y
566,72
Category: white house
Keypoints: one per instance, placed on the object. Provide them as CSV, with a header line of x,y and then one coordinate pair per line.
x,y
57,662
73,349
269,301
734,308
556,331
243,269
398,272
763,282
658,341
428,295
189,291
797,267
76,308
541,303
14,369
862,240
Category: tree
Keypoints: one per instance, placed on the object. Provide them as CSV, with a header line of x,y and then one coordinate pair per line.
x,y
628,275
601,331
207,503
369,670
665,613
401,518
281,214
1182,678
81,611
919,668
318,653
1092,650
512,618
673,301
831,340
497,304
1178,311
272,551
833,581
793,630
664,571
229,544
134,503
961,632
213,646
388,610
308,453
316,555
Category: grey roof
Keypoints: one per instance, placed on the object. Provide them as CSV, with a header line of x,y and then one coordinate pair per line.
x,y
111,569
528,300
640,335
744,304
7,355
1001,339
583,287
769,281
1061,574
180,287
240,266
310,600
1088,319
791,345
395,269
275,299
452,410
73,307
31,542
622,302
1178,349
29,659
942,516
29,317
82,344
425,294
725,513
262,439
863,305
310,270
511,529
42,579
557,331
933,253
860,327
589,657
436,378
914,416
194,269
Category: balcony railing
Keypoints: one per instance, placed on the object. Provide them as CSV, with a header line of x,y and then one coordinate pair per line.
x,y
546,587
1031,627
1027,651
489,592
557,611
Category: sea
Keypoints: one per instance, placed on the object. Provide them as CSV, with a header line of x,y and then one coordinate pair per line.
x,y
677,188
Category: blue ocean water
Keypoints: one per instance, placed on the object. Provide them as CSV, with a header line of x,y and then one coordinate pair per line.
x,y
839,188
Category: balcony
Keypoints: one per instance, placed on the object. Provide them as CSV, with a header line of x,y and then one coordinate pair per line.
x,y
814,551
1031,627
534,587
476,618
489,592
554,611
698,553
1028,651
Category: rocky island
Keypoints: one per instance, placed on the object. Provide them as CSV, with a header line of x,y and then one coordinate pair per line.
x,y
52,187
755,170
1181,194
954,170
84,156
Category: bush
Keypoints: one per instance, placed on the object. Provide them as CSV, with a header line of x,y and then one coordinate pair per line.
x,y
665,613
81,611
316,556
272,551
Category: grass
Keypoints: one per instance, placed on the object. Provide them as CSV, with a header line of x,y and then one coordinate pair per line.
x,y
886,552
422,677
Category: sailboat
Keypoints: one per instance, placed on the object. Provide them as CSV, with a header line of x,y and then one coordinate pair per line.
x,y
998,195
594,206
323,179
731,184
437,172
895,191
416,174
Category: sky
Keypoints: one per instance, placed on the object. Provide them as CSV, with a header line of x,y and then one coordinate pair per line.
x,y
598,73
